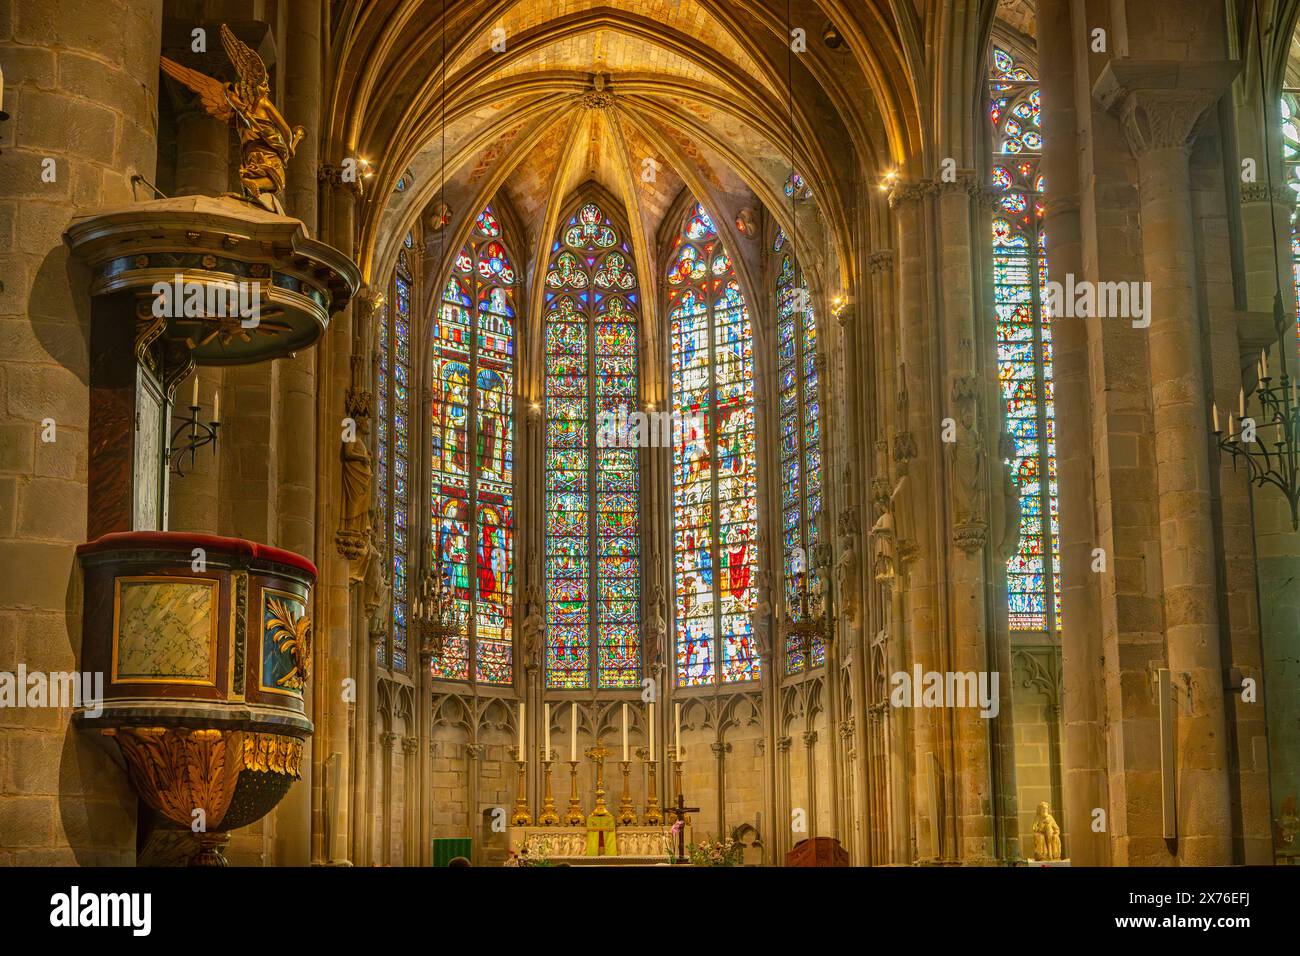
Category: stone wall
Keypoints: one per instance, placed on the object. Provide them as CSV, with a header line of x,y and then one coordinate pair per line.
x,y
82,97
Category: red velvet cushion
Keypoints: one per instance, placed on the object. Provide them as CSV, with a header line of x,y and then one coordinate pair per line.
x,y
183,541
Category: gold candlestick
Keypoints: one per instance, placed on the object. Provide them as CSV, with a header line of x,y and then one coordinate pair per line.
x,y
626,815
521,816
653,815
548,817
574,817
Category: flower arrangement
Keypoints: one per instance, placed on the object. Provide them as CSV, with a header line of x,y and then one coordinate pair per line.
x,y
522,857
726,852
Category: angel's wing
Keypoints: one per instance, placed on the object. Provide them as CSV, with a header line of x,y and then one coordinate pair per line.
x,y
249,66
212,92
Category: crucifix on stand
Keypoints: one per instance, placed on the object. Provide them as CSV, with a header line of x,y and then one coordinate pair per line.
x,y
598,753
679,811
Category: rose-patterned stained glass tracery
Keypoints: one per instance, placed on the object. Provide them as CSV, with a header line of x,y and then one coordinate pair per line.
x,y
1024,340
715,486
592,493
799,432
472,420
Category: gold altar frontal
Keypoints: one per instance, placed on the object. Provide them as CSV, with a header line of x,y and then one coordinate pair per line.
x,y
634,845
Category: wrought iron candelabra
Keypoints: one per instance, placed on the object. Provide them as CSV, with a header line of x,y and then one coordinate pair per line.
x,y
197,434
1266,439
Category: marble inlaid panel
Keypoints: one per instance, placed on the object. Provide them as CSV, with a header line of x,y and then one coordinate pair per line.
x,y
164,630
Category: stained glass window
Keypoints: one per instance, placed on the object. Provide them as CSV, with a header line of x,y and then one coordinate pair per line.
x,y
799,431
472,481
1024,339
715,486
1291,170
393,453
592,485
383,446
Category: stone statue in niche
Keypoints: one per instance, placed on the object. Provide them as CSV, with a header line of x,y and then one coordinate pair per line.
x,y
354,455
533,628
966,467
375,590
1047,835
846,565
655,630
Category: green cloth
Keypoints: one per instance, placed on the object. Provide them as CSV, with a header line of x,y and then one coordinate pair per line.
x,y
599,824
447,848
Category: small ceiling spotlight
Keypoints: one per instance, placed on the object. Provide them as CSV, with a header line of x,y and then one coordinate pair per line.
x,y
832,37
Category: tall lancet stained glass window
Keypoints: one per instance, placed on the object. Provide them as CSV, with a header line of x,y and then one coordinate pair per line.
x,y
799,430
472,480
715,484
592,478
1024,339
393,450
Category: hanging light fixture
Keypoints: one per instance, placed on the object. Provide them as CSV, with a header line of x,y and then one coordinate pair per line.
x,y
1267,436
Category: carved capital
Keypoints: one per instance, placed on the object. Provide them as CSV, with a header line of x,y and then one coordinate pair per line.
x,y
1160,103
881,260
904,193
410,745
783,744
809,738
719,748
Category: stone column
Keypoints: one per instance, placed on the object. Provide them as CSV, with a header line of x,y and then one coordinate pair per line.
x,y
966,461
784,803
919,553
1159,122
333,588
1084,748
202,169
720,750
83,104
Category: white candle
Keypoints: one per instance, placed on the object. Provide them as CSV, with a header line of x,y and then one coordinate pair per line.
x,y
1241,403
546,724
1215,409
1263,363
1229,426
624,731
195,400
216,406
573,732
652,730
677,736
522,752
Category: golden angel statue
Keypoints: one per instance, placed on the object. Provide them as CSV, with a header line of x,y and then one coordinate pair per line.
x,y
266,141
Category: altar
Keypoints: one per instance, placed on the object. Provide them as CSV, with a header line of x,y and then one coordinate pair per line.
x,y
605,836
633,845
